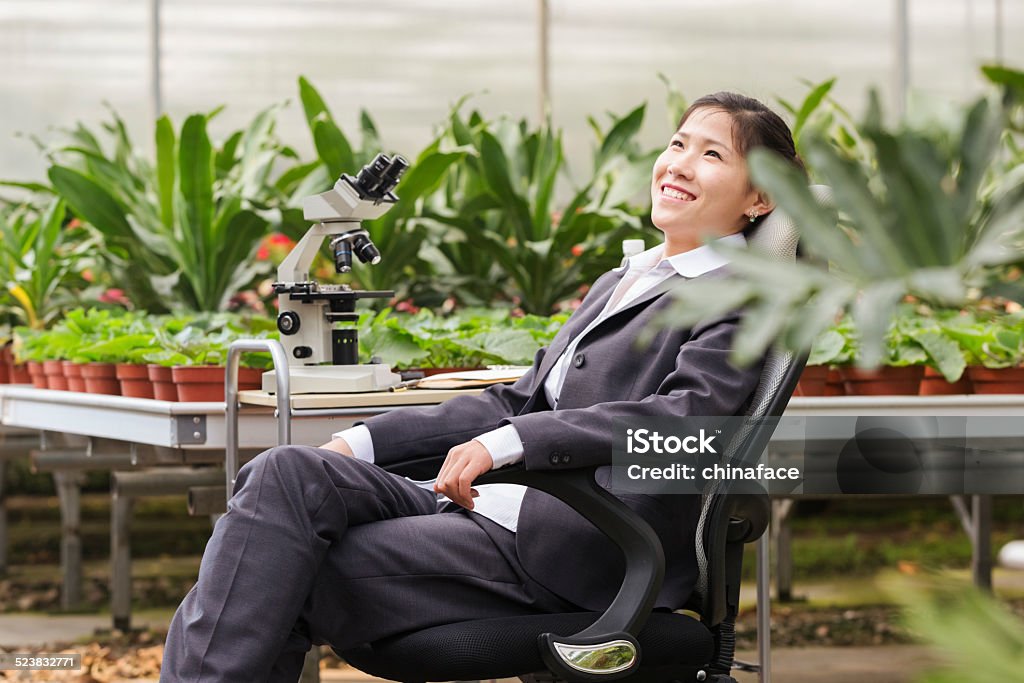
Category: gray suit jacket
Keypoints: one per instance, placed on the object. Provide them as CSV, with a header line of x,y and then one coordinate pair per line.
x,y
682,372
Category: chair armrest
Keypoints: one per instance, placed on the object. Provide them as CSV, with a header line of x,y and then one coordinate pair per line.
x,y
607,648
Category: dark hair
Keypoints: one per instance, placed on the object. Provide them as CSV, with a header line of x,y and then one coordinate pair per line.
x,y
753,125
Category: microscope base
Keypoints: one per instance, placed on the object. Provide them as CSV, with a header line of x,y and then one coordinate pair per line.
x,y
334,379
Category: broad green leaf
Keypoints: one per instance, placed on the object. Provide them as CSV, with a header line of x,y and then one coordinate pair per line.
x,y
944,352
91,202
619,137
810,104
312,104
333,148
197,175
166,169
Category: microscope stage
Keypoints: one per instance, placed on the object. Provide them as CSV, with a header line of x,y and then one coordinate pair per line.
x,y
334,379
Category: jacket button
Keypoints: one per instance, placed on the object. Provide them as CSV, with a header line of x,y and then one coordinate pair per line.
x,y
579,359
554,458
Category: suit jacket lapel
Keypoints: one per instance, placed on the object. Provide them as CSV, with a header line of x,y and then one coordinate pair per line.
x,y
588,311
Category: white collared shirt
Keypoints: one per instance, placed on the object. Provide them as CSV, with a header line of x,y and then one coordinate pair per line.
x,y
644,271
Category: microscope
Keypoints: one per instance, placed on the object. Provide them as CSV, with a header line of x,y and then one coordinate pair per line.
x,y
322,358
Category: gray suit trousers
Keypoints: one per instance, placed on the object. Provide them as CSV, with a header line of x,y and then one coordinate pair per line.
x,y
320,548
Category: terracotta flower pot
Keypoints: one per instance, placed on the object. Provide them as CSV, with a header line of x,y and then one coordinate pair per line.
x,y
73,373
101,378
884,381
834,383
206,382
54,372
812,382
5,364
935,384
199,382
35,370
996,380
164,388
19,374
134,380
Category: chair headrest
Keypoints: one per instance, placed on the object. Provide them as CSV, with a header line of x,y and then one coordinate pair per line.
x,y
777,234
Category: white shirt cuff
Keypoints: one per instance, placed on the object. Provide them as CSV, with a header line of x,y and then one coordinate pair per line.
x,y
503,444
359,440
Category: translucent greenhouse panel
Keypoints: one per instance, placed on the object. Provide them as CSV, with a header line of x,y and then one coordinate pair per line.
x,y
951,39
60,60
405,62
606,54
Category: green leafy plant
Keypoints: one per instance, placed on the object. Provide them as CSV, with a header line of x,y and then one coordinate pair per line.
x,y
989,340
512,237
820,113
977,638
916,335
470,338
834,346
204,340
180,233
38,261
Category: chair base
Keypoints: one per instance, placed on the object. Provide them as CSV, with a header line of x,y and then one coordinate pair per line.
x,y
673,647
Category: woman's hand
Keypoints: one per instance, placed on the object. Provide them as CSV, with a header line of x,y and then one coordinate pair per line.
x,y
339,445
463,465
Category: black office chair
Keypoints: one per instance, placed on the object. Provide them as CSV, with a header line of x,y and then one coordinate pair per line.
x,y
627,641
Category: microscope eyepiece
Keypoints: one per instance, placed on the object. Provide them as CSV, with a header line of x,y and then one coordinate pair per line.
x,y
393,172
381,175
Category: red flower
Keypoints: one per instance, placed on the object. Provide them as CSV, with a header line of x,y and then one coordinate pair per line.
x,y
407,306
115,296
577,250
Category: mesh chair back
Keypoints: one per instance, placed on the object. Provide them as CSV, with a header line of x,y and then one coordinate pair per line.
x,y
778,237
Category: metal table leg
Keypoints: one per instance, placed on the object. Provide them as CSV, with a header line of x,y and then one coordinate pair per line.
x,y
981,558
764,617
69,496
120,560
976,520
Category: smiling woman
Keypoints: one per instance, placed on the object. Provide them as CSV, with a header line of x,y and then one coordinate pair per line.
x,y
320,547
700,189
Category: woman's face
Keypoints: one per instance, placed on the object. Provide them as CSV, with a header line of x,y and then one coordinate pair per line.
x,y
700,187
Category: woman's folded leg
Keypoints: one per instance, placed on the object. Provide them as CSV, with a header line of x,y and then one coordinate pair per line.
x,y
291,504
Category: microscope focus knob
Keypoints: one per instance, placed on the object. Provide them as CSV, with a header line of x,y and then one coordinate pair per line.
x,y
288,322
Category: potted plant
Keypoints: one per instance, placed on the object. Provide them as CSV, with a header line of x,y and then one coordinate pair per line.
x,y
472,338
994,345
29,348
180,233
127,352
506,236
195,355
821,377
93,341
945,372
